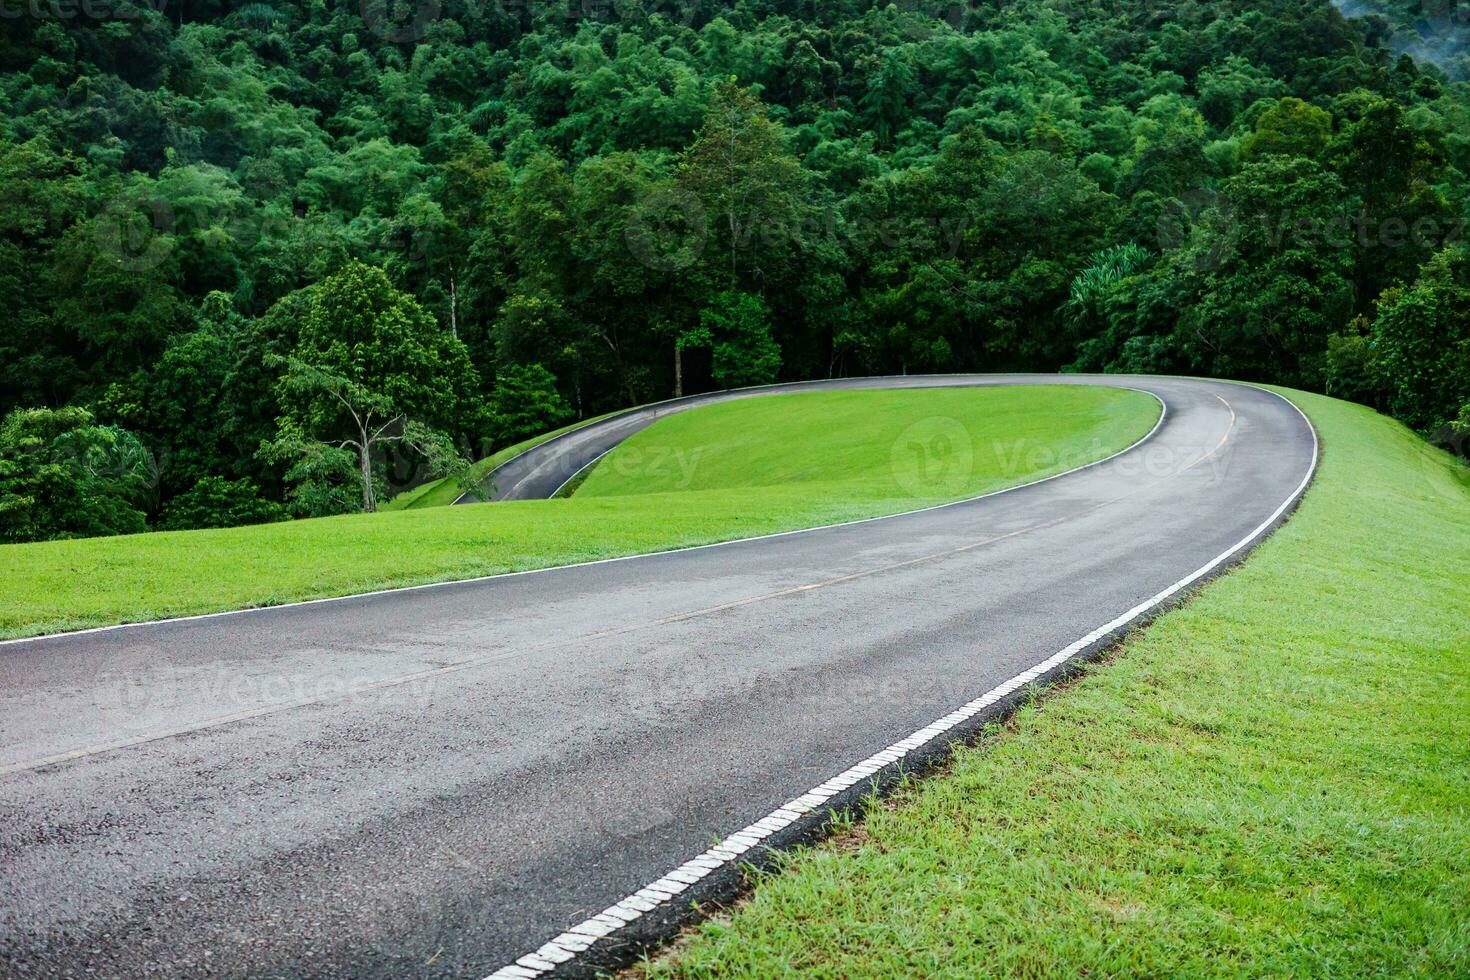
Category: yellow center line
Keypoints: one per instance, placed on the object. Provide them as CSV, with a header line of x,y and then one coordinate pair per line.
x,y
1223,439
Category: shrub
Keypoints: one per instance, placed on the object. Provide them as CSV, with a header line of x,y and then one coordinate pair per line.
x,y
217,502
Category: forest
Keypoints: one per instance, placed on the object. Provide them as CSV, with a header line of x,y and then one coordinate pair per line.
x,y
272,260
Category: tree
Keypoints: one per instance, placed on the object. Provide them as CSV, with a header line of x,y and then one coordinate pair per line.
x,y
902,192
1093,290
1393,168
63,476
1290,127
1420,342
371,370
738,327
445,221
525,403
1269,274
890,91
739,168
40,193
184,404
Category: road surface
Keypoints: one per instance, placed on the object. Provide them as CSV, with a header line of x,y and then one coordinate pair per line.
x,y
436,782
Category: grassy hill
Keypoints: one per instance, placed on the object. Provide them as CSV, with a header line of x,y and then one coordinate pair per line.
x,y
1270,781
904,446
829,457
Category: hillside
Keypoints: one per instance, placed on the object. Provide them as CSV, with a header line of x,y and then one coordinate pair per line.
x,y
516,216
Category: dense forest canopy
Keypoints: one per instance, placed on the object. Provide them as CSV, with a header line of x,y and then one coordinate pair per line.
x,y
260,259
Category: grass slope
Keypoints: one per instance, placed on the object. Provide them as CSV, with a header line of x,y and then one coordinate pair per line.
x,y
911,446
939,445
1273,780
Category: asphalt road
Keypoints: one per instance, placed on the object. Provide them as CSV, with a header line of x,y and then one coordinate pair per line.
x,y
435,782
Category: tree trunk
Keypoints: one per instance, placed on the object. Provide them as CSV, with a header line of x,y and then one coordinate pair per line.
x,y
453,304
678,370
734,234
365,459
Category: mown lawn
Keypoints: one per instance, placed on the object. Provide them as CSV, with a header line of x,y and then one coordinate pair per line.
x,y
1273,780
836,456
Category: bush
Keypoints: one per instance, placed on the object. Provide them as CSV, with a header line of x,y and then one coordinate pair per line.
x,y
738,325
1421,342
1352,369
217,502
62,476
525,403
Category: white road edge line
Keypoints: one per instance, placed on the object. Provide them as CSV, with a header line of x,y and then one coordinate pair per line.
x,y
665,889
575,430
257,610
585,467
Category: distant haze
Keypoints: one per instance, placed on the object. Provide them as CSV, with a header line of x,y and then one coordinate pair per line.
x,y
1435,31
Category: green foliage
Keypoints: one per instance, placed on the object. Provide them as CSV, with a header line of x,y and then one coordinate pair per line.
x,y
370,369
525,403
321,479
1290,127
1420,343
740,171
1093,288
217,502
738,327
379,342
1271,274
1352,367
903,191
63,476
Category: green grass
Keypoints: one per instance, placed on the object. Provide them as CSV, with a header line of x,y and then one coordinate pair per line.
x,y
1273,780
914,446
442,493
938,445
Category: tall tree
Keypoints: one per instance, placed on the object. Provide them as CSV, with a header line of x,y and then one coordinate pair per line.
x,y
372,369
742,172
1270,273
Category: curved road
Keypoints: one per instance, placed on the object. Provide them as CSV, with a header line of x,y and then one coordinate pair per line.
x,y
436,782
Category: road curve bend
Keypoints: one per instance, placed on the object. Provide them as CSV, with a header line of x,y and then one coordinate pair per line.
x,y
540,771
541,471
